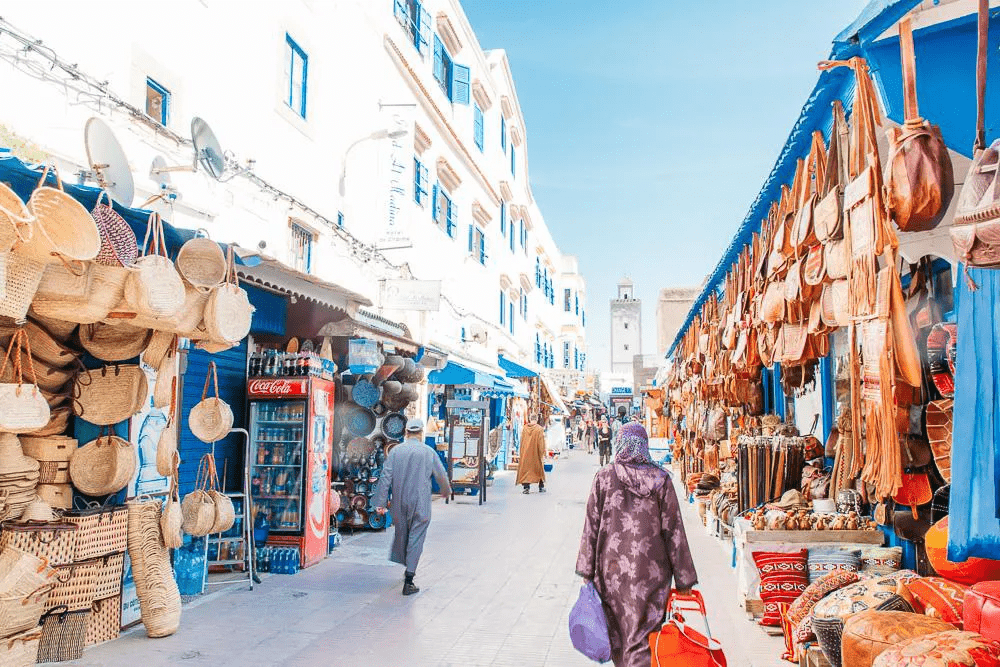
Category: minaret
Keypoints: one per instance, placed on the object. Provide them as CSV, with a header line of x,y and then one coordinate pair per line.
x,y
626,328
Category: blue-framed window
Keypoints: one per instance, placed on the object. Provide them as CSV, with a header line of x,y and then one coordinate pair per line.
x,y
478,130
157,102
583,317
577,299
538,272
565,354
454,79
538,349
503,307
296,76
415,20
576,358
503,133
503,218
524,305
420,181
477,244
511,240
444,211
510,316
513,161
340,218
301,247
567,296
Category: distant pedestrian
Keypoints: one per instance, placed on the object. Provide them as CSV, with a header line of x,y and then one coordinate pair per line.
x,y
407,473
633,546
555,434
604,436
591,436
531,466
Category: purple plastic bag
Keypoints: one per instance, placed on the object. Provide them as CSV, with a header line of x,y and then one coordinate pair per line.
x,y
588,626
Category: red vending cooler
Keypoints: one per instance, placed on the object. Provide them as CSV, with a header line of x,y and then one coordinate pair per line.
x,y
291,445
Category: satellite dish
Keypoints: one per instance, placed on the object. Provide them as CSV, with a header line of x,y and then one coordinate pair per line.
x,y
207,149
207,153
108,164
157,172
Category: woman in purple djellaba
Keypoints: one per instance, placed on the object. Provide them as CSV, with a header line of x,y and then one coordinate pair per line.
x,y
633,546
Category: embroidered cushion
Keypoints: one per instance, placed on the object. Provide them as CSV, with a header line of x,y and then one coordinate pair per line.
x,y
783,577
824,561
871,632
798,629
881,560
942,649
939,598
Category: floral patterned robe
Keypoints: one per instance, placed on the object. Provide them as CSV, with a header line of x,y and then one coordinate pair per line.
x,y
633,545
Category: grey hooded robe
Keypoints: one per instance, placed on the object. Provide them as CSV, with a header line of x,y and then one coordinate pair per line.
x,y
407,472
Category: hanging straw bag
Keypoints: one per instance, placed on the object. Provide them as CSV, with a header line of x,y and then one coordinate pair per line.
x,y
159,344
198,506
212,418
159,598
101,529
114,342
153,287
172,517
103,466
225,513
64,281
63,230
22,275
111,394
106,290
23,409
228,312
16,221
118,243
166,447
166,379
201,262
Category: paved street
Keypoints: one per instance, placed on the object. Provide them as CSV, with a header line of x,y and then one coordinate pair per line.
x,y
497,586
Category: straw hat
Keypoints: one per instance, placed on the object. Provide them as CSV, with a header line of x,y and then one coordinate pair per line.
x,y
792,499
39,511
13,462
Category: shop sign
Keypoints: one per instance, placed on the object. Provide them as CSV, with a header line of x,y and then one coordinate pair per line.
x,y
411,294
621,391
277,387
396,168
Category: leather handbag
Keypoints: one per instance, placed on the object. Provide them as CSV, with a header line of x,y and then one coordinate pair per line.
x,y
975,232
920,181
915,491
804,229
677,643
939,429
982,609
828,214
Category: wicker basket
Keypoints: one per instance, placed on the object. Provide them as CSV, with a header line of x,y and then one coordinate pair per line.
x,y
102,530
114,342
56,448
64,281
57,495
53,472
63,228
111,394
58,422
54,543
172,516
21,650
63,634
75,585
20,611
153,287
61,330
46,347
159,599
21,279
107,287
15,219
103,466
118,243
165,387
108,581
159,344
212,418
201,262
105,620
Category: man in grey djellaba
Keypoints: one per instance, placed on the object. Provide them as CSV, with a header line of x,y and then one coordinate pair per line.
x,y
407,474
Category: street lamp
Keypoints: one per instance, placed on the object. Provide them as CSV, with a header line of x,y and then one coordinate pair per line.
x,y
384,133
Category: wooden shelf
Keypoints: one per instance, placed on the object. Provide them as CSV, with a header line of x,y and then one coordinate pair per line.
x,y
874,537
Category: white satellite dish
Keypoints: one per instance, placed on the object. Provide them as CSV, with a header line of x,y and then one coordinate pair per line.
x,y
207,152
108,164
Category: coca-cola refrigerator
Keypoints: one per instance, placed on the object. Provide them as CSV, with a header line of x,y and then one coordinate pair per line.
x,y
291,448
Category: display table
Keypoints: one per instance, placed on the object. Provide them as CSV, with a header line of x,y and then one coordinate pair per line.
x,y
746,541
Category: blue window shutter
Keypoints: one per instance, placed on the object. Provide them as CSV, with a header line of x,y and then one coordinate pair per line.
x,y
460,88
451,217
512,236
513,160
503,133
503,218
510,316
434,204
482,249
399,10
471,233
423,30
477,126
439,70
501,307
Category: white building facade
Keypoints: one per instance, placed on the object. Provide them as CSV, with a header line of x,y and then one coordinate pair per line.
x,y
369,142
626,330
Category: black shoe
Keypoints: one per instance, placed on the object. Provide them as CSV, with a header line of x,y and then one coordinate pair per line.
x,y
526,491
409,588
541,489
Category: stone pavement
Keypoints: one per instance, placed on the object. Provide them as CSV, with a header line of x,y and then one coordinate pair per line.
x,y
497,585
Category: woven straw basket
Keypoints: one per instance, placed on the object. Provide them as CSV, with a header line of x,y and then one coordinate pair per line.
x,y
64,281
63,230
57,495
201,262
105,620
228,313
49,448
21,650
118,242
102,530
108,580
58,422
110,394
63,633
103,466
75,585
22,407
107,288
15,219
154,288
159,599
172,517
118,342
159,344
61,330
46,347
52,542
22,275
212,418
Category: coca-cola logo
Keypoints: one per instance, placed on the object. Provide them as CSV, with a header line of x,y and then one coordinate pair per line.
x,y
275,387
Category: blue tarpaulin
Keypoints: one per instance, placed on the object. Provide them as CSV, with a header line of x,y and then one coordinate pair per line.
x,y
973,526
515,370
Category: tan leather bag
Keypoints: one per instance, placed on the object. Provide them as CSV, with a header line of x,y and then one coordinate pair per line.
x,y
828,214
803,229
772,306
920,180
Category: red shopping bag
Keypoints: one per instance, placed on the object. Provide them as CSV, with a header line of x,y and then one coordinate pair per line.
x,y
677,643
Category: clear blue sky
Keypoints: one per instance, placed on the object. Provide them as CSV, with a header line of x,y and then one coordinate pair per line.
x,y
652,125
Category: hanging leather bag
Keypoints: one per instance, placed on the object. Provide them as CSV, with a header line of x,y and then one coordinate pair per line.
x,y
919,174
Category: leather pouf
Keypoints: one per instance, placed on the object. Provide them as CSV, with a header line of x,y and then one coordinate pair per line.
x,y
970,572
832,611
868,634
942,649
981,609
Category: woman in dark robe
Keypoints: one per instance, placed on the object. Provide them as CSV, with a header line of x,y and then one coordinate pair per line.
x,y
633,546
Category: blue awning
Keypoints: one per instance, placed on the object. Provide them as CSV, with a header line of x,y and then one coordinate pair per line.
x,y
515,370
455,373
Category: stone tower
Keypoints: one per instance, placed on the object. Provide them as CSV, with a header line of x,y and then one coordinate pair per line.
x,y
626,329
